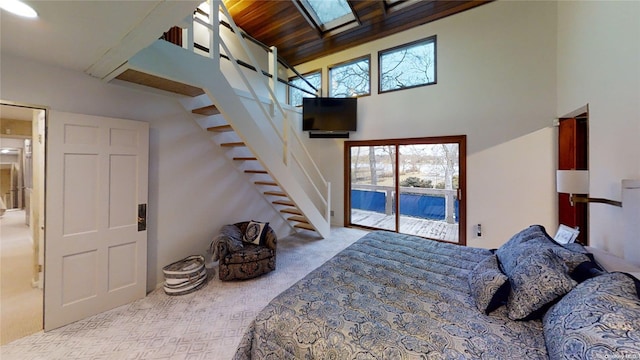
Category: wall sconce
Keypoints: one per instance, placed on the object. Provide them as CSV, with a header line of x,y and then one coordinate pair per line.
x,y
576,183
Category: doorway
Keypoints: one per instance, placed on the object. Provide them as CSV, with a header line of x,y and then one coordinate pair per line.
x,y
22,158
573,154
411,186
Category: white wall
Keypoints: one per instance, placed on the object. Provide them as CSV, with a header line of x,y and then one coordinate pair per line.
x,y
193,188
496,84
599,65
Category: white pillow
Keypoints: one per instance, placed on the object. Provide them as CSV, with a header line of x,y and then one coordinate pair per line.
x,y
255,232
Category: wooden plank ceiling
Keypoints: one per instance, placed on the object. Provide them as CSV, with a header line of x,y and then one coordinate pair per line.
x,y
279,23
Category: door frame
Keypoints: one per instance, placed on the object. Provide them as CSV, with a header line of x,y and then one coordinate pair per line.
x,y
38,196
573,154
461,140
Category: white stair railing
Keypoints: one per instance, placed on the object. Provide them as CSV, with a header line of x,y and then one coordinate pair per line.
x,y
287,135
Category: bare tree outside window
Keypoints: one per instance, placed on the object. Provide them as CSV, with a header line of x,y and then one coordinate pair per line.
x,y
296,95
350,79
413,186
447,159
408,66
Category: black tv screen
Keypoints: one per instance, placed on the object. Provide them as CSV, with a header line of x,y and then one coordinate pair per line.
x,y
329,114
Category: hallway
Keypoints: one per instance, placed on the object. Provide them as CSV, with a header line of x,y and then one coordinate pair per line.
x,y
21,304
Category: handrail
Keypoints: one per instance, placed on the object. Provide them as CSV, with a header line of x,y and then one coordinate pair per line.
x,y
248,52
315,167
308,156
246,81
251,67
267,49
285,135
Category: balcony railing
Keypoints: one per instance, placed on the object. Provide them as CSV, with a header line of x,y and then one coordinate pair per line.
x,y
426,203
430,213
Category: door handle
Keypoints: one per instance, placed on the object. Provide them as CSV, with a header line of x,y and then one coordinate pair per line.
x,y
142,217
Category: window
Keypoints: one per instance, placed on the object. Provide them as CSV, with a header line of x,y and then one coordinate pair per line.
x,y
299,88
328,15
408,66
410,186
350,79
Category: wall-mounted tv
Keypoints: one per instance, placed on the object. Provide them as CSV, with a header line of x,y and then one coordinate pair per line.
x,y
327,116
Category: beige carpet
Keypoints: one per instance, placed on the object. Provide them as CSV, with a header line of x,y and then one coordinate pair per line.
x,y
20,303
206,324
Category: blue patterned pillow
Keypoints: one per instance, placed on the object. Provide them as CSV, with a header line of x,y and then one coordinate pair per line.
x,y
533,240
599,319
537,281
520,245
255,232
489,286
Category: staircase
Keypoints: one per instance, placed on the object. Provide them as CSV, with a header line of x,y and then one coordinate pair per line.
x,y
250,164
258,134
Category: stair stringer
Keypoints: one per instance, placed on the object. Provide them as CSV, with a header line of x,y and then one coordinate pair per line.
x,y
168,61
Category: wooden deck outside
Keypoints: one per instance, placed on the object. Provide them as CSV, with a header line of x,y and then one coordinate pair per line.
x,y
432,229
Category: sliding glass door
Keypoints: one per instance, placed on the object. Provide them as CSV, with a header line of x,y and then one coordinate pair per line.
x,y
373,186
410,186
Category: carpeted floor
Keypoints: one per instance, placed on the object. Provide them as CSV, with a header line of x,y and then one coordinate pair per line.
x,y
206,324
20,303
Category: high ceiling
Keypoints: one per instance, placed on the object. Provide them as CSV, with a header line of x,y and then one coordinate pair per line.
x,y
282,24
77,35
95,36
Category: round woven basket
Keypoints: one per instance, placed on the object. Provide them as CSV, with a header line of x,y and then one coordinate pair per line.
x,y
185,276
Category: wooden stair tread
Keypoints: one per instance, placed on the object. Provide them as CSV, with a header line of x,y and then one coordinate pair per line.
x,y
266,183
304,226
206,110
245,158
300,219
293,211
284,202
275,193
141,78
220,128
232,144
256,171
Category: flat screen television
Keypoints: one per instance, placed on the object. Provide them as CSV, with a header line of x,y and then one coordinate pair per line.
x,y
329,115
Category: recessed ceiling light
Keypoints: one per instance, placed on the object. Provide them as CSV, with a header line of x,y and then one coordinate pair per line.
x,y
19,8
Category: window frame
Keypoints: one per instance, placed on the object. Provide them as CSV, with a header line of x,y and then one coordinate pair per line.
x,y
346,63
312,72
431,39
341,23
397,5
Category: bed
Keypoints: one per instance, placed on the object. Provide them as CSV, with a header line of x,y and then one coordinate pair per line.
x,y
394,296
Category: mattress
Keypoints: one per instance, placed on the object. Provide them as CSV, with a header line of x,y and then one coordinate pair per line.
x,y
390,296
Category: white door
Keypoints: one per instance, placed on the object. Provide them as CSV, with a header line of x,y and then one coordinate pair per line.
x,y
95,255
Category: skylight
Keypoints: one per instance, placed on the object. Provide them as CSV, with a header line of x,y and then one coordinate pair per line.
x,y
327,11
328,14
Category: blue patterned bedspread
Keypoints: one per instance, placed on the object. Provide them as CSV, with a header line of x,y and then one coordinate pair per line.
x,y
389,296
